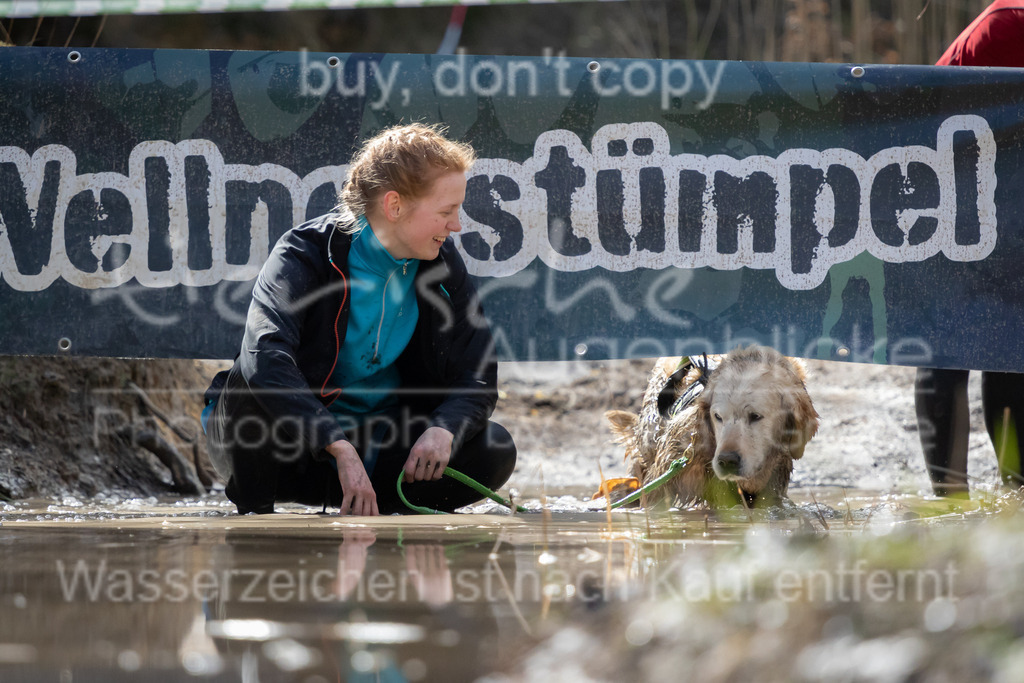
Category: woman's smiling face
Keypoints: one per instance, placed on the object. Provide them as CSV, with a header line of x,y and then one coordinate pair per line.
x,y
420,226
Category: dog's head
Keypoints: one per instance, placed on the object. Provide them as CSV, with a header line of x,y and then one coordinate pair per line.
x,y
757,417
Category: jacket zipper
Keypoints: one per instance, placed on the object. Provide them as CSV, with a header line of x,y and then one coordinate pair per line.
x,y
384,307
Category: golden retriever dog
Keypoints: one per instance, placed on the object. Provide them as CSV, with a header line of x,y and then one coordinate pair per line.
x,y
740,419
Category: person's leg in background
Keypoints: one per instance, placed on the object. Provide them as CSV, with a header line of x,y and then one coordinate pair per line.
x,y
1002,395
943,422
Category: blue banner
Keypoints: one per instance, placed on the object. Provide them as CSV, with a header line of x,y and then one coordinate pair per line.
x,y
620,208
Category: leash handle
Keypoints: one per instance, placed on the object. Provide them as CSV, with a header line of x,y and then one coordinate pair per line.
x,y
460,477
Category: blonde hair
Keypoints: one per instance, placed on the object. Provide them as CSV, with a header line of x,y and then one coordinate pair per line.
x,y
406,159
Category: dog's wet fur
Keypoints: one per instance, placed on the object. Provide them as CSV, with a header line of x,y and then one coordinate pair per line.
x,y
740,435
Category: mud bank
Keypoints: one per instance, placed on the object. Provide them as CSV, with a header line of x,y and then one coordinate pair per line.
x,y
87,427
65,425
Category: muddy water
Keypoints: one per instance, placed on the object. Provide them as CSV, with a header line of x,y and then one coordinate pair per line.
x,y
139,590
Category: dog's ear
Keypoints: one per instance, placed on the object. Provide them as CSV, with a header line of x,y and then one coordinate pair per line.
x,y
801,423
623,424
799,367
703,437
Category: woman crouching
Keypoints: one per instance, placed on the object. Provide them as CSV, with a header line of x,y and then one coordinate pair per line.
x,y
365,350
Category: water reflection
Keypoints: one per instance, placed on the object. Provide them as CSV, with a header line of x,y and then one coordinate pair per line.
x,y
374,605
307,598
153,592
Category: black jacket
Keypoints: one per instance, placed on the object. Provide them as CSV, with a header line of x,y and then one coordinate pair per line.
x,y
297,321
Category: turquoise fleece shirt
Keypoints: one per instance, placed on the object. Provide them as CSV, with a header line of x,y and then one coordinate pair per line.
x,y
381,322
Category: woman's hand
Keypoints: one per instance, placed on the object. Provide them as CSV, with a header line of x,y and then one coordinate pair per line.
x,y
357,494
352,554
427,569
429,455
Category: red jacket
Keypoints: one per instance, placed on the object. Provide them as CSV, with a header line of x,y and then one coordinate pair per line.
x,y
994,38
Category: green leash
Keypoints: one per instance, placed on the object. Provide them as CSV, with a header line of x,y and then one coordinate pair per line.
x,y
468,481
673,469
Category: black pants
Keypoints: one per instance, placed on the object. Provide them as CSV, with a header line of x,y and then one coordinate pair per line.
x,y
943,420
264,467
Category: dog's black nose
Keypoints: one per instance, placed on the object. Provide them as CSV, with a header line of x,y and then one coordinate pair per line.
x,y
729,462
